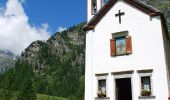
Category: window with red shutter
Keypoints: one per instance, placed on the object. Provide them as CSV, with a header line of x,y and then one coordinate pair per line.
x,y
112,47
120,45
128,45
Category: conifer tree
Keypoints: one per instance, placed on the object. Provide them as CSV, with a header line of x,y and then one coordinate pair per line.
x,y
27,92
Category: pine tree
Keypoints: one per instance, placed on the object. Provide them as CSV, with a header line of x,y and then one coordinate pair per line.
x,y
27,92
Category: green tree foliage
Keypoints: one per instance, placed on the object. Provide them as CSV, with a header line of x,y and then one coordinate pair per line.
x,y
7,84
5,94
54,70
24,71
27,91
8,80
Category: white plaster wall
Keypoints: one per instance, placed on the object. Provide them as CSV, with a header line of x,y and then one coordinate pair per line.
x,y
148,51
88,67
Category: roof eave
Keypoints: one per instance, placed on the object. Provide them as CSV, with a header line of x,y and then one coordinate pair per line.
x,y
88,27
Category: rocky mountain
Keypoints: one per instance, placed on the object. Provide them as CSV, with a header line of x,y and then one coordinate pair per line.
x,y
55,66
62,46
57,62
7,60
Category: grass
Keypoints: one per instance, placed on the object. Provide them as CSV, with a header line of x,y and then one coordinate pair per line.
x,y
47,97
13,96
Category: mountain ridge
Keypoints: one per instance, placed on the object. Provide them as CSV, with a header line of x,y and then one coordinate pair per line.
x,y
7,60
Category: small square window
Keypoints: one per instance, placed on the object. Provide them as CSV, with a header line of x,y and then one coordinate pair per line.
x,y
145,86
101,88
120,45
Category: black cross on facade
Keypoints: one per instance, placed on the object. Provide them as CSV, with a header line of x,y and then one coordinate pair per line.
x,y
119,14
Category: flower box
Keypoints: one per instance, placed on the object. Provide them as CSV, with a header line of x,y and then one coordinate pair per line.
x,y
146,93
101,94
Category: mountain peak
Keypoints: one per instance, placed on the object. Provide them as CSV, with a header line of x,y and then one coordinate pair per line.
x,y
7,60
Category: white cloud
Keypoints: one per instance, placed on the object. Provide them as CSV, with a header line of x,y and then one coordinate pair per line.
x,y
60,29
15,31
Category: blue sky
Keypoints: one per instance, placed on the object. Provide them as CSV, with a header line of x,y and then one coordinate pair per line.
x,y
25,21
57,13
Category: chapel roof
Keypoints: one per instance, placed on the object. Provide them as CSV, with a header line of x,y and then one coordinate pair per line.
x,y
151,11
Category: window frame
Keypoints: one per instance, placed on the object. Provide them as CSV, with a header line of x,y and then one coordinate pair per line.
x,y
123,74
128,43
148,74
101,77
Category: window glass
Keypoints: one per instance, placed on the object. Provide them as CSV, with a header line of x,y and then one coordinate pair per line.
x,y
146,86
102,88
120,45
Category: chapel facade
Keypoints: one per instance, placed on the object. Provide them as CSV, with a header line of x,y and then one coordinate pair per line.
x,y
127,51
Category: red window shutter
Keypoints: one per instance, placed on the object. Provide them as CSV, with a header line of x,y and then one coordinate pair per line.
x,y
128,45
112,47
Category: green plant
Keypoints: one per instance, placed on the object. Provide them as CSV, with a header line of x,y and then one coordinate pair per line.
x,y
145,92
101,94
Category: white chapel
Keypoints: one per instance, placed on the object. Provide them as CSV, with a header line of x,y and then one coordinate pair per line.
x,y
127,51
